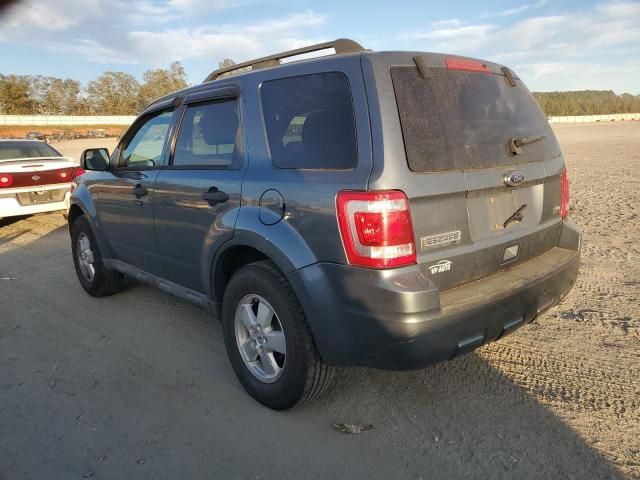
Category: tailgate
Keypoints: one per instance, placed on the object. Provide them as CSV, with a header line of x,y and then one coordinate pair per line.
x,y
483,169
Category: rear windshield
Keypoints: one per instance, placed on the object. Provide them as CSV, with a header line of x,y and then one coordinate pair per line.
x,y
15,150
456,120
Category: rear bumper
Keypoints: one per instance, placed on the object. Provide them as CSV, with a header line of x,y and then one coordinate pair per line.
x,y
10,206
397,319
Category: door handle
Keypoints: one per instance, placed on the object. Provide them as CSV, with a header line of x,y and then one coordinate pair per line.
x,y
215,196
139,191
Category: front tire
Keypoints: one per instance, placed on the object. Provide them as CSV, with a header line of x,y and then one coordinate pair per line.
x,y
96,279
268,340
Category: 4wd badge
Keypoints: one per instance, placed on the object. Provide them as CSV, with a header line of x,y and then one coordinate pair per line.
x,y
441,266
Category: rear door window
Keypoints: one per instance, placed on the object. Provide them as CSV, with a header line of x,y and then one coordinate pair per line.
x,y
458,120
209,135
309,121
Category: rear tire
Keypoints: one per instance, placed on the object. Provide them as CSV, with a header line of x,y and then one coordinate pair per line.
x,y
279,374
96,279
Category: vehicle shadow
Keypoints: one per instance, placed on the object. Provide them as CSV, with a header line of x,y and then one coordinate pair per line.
x,y
460,419
6,221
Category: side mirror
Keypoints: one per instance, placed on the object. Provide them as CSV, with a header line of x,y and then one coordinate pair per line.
x,y
95,159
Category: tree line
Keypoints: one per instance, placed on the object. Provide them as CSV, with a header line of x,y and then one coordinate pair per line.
x,y
112,93
118,93
587,102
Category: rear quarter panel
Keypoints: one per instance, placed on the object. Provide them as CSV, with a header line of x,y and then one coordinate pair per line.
x,y
308,231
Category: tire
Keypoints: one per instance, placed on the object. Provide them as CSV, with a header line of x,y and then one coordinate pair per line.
x,y
103,282
302,375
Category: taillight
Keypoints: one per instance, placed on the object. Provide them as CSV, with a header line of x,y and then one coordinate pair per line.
x,y
64,175
376,228
6,180
77,172
466,65
564,197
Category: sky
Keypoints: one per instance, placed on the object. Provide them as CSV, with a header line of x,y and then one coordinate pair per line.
x,y
552,45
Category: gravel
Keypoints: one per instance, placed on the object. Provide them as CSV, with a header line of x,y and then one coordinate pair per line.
x,y
138,385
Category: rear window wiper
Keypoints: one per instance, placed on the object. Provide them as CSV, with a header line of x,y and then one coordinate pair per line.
x,y
515,144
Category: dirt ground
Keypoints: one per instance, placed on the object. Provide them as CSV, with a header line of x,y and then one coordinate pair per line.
x,y
138,385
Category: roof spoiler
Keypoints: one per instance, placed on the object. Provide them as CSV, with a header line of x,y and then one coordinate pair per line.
x,y
341,46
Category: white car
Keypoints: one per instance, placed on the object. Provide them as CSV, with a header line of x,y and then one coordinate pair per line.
x,y
34,178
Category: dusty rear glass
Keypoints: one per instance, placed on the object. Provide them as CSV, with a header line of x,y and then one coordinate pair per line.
x,y
457,120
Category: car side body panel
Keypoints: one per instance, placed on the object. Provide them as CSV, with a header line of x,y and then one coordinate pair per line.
x,y
183,213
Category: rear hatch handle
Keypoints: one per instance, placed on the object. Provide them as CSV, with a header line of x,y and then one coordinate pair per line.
x,y
516,144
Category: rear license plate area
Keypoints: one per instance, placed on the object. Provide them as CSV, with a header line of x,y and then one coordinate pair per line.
x,y
41,196
489,210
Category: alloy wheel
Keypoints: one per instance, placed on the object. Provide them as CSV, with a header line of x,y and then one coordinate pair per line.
x,y
260,338
86,260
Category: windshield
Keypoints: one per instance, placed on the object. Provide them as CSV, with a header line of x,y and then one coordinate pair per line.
x,y
15,150
457,120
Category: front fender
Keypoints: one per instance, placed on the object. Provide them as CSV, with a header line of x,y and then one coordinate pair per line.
x,y
81,198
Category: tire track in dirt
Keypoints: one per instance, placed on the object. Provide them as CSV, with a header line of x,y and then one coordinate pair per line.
x,y
577,384
599,397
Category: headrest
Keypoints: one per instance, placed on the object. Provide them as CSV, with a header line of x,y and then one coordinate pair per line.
x,y
317,132
220,125
325,139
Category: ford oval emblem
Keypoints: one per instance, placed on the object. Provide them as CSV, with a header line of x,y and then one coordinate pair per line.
x,y
513,179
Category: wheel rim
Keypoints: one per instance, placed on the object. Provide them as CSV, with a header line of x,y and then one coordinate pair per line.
x,y
85,257
260,338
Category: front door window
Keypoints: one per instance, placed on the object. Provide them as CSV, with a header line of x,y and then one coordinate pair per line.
x,y
144,147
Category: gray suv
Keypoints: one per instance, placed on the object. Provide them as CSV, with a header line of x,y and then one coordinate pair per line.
x,y
382,209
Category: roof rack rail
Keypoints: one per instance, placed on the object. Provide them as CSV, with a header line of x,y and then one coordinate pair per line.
x,y
341,46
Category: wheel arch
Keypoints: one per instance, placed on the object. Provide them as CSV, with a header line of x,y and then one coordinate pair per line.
x,y
75,211
249,247
243,249
78,209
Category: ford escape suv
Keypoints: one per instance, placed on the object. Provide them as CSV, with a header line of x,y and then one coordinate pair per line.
x,y
381,209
